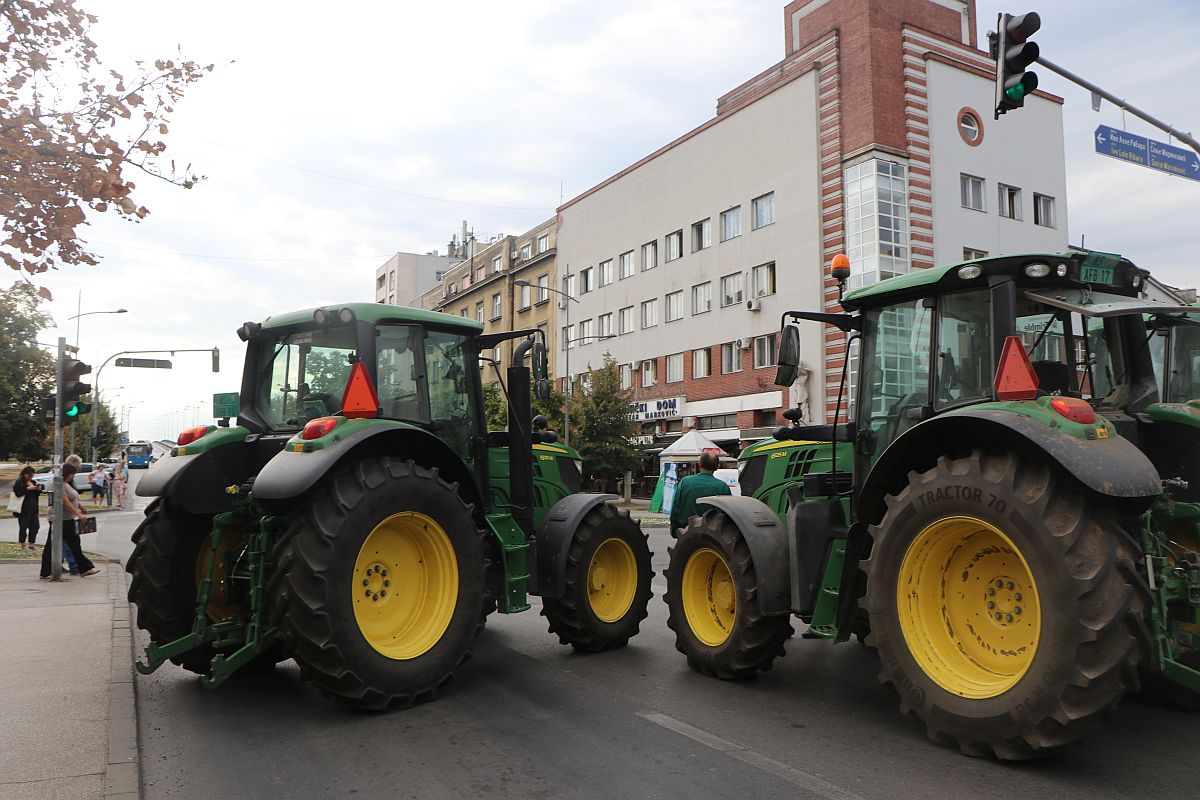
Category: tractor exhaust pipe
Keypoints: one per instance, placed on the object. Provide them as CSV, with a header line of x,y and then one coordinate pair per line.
x,y
520,439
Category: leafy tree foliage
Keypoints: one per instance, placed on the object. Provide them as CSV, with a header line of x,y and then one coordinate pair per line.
x,y
106,427
69,129
495,407
601,428
26,375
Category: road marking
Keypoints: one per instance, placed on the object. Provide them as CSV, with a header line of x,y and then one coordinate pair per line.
x,y
799,777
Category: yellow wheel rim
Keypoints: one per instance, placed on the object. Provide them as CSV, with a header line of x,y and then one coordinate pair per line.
x,y
709,597
968,607
612,580
405,585
219,608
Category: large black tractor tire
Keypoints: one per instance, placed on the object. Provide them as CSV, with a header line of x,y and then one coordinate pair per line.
x,y
1005,605
712,602
379,584
163,582
607,589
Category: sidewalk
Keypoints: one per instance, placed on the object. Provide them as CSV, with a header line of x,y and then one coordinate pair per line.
x,y
66,687
639,510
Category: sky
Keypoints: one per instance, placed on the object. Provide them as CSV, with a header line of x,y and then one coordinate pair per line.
x,y
332,140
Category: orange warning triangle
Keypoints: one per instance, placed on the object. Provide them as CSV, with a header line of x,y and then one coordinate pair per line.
x,y
360,400
1015,378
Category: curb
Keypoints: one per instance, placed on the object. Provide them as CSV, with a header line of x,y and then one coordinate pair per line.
x,y
122,775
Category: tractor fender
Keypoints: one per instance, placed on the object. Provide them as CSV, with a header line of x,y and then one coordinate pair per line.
x,y
770,548
554,539
196,483
290,474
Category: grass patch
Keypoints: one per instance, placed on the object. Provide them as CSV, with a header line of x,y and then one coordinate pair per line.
x,y
12,550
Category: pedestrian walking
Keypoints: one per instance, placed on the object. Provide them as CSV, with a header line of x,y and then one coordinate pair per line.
x,y
98,478
693,488
26,512
120,480
73,512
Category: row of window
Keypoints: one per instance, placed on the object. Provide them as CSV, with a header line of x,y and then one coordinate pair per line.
x,y
731,362
1009,201
762,214
526,253
762,284
524,299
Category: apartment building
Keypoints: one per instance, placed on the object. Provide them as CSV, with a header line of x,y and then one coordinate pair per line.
x,y
872,136
405,277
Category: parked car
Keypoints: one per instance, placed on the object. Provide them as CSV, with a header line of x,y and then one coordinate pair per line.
x,y
80,480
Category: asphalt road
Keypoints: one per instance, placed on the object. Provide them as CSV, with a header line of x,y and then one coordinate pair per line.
x,y
527,717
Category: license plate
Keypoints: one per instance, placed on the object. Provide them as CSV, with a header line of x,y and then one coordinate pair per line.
x,y
1089,274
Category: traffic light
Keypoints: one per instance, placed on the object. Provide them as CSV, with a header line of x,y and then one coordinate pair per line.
x,y
1013,51
72,389
216,359
48,406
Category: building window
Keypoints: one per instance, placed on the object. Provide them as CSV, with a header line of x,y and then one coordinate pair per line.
x,y
764,351
731,223
568,285
674,245
649,372
876,221
587,280
1010,202
701,363
604,325
731,358
763,210
972,191
496,306
625,320
1043,210
381,283
543,243
452,289
462,312
498,264
466,281
675,368
481,272
526,296
701,234
526,251
674,306
971,254
626,261
969,127
649,255
568,337
606,272
702,298
731,289
585,330
763,278
715,422
626,376
478,311
391,299
496,355
543,288
672,426
650,313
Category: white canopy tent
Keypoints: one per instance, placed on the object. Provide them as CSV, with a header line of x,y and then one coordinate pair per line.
x,y
687,449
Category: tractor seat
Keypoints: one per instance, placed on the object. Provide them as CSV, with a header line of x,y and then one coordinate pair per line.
x,y
1054,377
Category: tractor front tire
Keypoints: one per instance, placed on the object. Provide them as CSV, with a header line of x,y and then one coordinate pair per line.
x,y
607,588
1004,605
712,602
163,584
379,584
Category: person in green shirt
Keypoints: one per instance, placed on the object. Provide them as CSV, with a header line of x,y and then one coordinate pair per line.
x,y
693,488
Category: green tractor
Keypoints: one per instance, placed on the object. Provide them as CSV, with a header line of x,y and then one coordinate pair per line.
x,y
360,519
1010,517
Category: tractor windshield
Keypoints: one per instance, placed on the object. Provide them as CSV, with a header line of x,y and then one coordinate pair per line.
x,y
1182,382
303,375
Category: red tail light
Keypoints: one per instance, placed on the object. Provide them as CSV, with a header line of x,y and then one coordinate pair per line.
x,y
1074,409
1015,378
191,434
317,428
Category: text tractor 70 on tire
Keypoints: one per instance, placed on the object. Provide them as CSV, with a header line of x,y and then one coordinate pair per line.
x,y
1008,518
360,518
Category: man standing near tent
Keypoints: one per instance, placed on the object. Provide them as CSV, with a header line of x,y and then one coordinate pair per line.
x,y
695,487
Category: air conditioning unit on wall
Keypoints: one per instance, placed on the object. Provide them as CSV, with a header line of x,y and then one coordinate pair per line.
x,y
754,305
743,343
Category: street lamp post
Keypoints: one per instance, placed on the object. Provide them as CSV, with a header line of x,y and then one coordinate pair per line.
x,y
566,353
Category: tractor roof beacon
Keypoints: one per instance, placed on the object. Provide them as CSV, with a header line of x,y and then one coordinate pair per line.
x,y
1007,515
360,518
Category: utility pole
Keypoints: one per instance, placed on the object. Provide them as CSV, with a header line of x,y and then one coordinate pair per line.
x,y
57,523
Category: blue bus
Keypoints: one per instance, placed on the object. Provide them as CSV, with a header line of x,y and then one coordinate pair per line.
x,y
139,454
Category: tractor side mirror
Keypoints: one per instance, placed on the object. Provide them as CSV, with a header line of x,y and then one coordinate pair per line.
x,y
542,389
789,356
539,361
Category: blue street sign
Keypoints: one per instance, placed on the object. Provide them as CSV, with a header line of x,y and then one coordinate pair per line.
x,y
124,439
1135,149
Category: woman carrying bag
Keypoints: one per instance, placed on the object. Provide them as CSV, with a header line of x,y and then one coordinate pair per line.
x,y
73,513
23,504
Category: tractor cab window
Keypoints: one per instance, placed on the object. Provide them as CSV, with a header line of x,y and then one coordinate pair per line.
x,y
305,374
1184,384
450,397
1044,333
964,363
895,372
398,372
1072,354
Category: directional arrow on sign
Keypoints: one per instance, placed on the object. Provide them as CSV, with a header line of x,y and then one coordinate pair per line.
x,y
1158,156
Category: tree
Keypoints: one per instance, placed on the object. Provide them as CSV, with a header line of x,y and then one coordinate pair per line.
x,y
26,375
495,407
106,428
69,129
602,427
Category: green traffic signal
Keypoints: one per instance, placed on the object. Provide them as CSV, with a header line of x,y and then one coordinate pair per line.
x,y
71,411
1014,53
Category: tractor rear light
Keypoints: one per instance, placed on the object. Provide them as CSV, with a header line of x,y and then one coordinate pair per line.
x,y
970,272
317,428
1038,270
1015,378
1074,409
191,434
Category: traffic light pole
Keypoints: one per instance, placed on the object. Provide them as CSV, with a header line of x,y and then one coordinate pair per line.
x,y
56,527
1186,138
